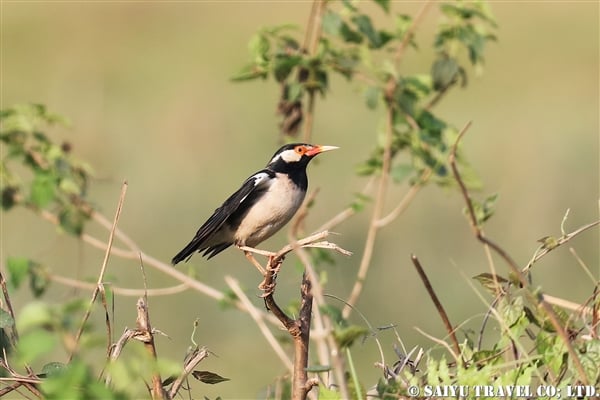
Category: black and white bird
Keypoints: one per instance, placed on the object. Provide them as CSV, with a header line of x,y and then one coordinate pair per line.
x,y
266,202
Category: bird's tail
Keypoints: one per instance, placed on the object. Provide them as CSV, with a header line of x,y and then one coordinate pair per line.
x,y
187,252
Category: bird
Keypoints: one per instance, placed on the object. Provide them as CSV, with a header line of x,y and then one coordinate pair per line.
x,y
265,202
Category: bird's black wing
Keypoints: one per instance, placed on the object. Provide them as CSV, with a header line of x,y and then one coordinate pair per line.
x,y
216,221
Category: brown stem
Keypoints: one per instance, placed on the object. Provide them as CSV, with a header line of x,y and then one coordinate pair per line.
x,y
300,386
298,329
144,334
436,301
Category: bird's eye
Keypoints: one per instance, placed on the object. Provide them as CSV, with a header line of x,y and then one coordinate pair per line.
x,y
300,149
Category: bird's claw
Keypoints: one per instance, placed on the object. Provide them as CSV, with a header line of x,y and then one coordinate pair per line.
x,y
267,288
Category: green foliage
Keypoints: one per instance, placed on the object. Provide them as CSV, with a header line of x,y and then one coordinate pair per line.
x,y
483,210
76,381
525,351
467,28
20,268
55,179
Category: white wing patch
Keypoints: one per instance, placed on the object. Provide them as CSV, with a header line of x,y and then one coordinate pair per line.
x,y
259,179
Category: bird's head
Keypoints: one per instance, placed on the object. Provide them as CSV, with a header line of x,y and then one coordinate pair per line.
x,y
296,155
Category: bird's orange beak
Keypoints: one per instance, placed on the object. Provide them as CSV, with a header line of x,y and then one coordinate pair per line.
x,y
319,149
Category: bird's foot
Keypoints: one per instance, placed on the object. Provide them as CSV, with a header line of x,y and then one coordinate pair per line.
x,y
266,288
268,283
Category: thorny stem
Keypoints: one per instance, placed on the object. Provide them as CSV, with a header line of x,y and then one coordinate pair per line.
x,y
537,298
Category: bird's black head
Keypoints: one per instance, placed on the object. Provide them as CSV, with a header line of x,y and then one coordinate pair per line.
x,y
295,156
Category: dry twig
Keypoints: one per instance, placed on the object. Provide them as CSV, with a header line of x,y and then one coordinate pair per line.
x,y
102,270
538,298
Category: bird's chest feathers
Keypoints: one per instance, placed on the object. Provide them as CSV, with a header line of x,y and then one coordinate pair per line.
x,y
271,210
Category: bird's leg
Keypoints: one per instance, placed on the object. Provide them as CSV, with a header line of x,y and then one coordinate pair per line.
x,y
251,258
268,284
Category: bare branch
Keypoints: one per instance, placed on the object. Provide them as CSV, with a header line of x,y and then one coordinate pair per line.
x,y
438,305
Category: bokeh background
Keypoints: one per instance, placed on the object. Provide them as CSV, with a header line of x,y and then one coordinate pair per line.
x,y
146,87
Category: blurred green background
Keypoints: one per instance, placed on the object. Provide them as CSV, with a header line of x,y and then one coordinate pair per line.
x,y
146,87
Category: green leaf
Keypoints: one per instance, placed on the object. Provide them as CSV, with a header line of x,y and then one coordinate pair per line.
x,y
326,393
72,220
318,368
53,368
400,172
484,210
384,4
445,72
6,320
283,65
332,23
359,202
590,359
377,39
18,270
34,344
209,377
403,24
259,46
372,96
9,197
43,189
294,92
345,337
38,279
250,72
494,286
69,186
349,35
35,314
335,314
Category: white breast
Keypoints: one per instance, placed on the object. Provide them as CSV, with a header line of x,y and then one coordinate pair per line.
x,y
276,207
